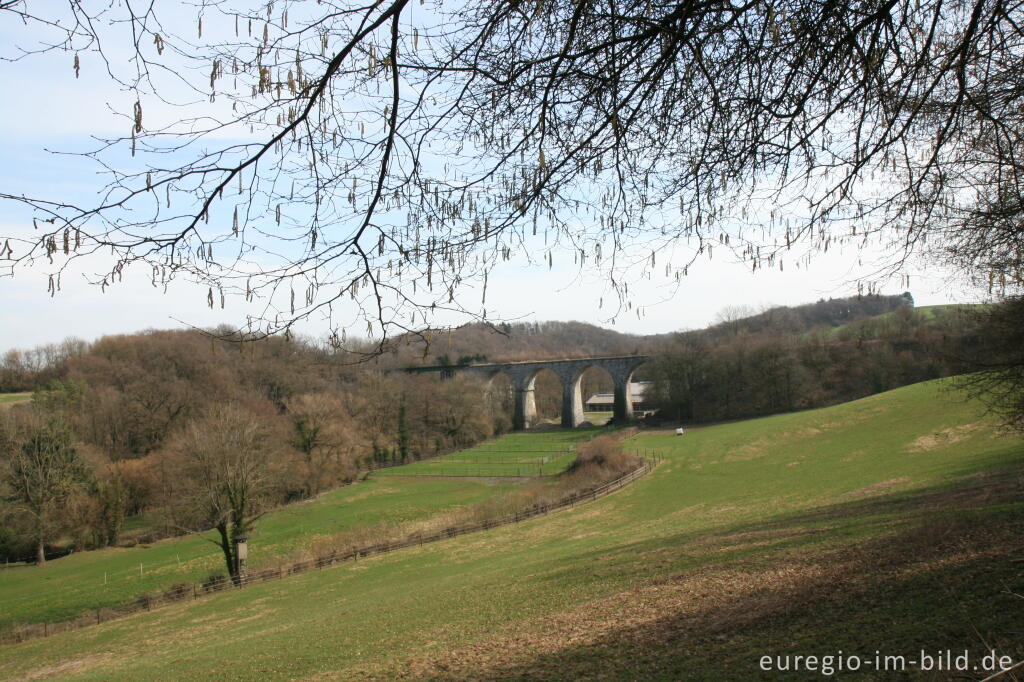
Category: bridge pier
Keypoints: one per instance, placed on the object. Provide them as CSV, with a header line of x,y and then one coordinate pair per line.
x,y
572,402
525,410
622,409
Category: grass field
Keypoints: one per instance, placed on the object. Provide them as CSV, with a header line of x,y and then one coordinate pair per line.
x,y
889,524
7,399
514,455
926,313
90,580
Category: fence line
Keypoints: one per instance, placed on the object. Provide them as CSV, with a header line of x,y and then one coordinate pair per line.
x,y
192,591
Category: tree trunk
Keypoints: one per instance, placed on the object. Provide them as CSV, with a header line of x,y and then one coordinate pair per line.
x,y
229,555
40,552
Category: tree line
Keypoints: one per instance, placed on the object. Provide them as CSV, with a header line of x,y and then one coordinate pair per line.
x,y
192,432
793,359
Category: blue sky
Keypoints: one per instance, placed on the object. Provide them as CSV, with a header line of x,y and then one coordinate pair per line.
x,y
54,111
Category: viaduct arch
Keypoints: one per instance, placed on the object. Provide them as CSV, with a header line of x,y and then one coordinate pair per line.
x,y
524,374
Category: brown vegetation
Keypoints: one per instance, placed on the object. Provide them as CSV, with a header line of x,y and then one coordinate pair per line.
x,y
138,406
791,359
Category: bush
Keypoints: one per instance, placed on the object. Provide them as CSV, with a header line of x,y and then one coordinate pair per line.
x,y
145,601
602,456
214,582
178,592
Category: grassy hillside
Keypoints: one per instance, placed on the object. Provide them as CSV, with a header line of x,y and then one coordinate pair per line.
x,y
89,580
927,314
13,398
516,454
892,523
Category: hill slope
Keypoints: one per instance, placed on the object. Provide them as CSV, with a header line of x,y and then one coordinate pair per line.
x,y
85,581
554,340
884,524
520,341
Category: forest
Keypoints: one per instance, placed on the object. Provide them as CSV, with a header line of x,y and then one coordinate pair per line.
x,y
122,423
810,356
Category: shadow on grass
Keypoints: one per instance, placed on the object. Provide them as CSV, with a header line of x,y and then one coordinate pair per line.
x,y
878,512
930,570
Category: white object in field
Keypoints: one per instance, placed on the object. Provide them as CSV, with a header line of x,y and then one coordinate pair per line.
x,y
679,431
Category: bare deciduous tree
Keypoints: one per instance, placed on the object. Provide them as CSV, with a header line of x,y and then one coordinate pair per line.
x,y
225,469
325,438
998,357
392,153
43,470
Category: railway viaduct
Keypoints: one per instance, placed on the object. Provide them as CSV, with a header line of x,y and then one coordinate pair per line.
x,y
524,374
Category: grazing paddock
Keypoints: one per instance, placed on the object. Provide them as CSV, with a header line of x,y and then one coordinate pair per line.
x,y
86,581
516,455
891,523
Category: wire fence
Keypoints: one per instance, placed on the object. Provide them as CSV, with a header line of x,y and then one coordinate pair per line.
x,y
195,590
133,581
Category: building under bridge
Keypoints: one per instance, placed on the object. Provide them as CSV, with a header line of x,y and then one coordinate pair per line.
x,y
605,402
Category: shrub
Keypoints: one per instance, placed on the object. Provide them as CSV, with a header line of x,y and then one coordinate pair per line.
x,y
602,456
145,601
214,582
178,591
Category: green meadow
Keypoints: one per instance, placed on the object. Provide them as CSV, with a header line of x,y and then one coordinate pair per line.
x,y
513,455
888,524
927,313
11,398
86,581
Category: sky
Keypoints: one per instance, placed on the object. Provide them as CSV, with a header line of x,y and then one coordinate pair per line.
x,y
58,112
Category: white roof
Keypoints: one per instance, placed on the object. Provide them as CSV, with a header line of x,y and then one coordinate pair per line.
x,y
637,390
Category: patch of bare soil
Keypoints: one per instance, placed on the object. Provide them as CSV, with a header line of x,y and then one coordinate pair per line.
x,y
745,453
71,667
944,438
761,447
370,493
856,454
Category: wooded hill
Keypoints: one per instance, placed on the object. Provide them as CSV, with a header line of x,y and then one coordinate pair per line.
x,y
125,408
553,340
781,360
507,342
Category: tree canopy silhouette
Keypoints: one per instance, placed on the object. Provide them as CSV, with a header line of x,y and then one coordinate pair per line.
x,y
391,153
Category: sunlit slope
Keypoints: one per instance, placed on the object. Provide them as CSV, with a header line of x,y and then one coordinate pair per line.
x,y
928,313
872,524
89,580
516,454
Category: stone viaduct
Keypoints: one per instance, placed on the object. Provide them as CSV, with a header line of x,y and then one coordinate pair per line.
x,y
523,375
